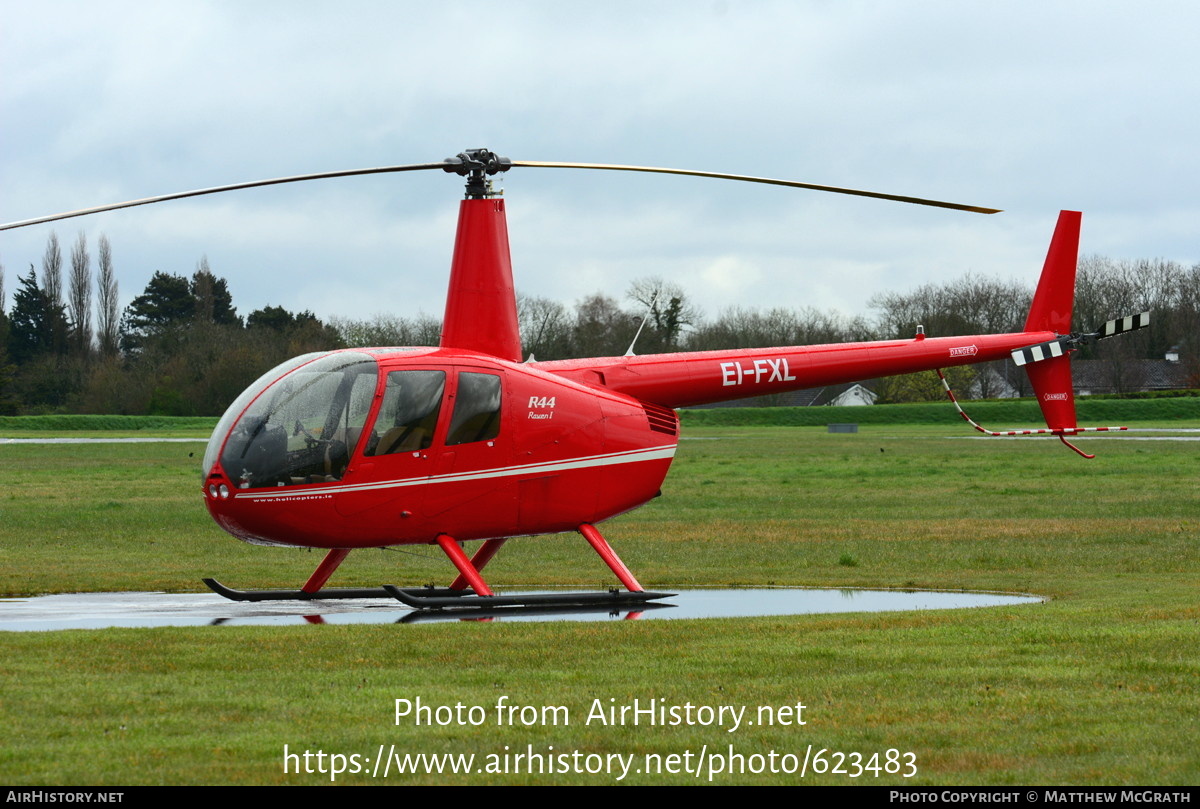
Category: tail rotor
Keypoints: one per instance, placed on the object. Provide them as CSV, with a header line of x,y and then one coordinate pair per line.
x,y
1059,347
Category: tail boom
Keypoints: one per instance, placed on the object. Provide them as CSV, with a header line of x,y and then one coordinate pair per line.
x,y
703,377
1043,349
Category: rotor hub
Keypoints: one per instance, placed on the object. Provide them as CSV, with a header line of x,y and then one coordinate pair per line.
x,y
476,165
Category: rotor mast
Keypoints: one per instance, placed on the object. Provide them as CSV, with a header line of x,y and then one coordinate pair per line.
x,y
481,302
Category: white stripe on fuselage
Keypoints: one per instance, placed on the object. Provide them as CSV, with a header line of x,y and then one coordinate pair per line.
x,y
588,461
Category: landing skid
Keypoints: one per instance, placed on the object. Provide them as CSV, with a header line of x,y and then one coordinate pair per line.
x,y
468,591
433,598
483,613
327,593
426,600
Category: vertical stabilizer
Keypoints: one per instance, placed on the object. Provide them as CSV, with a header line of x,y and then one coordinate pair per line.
x,y
1055,296
481,304
1051,311
1052,384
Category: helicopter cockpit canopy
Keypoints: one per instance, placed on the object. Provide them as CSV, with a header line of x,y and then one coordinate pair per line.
x,y
301,424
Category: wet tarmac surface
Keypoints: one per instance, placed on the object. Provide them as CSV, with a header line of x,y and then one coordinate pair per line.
x,y
150,440
104,610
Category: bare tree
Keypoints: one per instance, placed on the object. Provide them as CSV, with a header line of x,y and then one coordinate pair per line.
x,y
750,328
1164,290
52,291
922,387
970,305
388,330
79,296
545,328
668,307
107,319
52,270
602,328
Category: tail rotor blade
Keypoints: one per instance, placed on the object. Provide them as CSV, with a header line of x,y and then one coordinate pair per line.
x,y
1123,324
1039,352
1056,348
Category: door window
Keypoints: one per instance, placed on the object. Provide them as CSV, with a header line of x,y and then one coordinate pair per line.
x,y
476,409
408,415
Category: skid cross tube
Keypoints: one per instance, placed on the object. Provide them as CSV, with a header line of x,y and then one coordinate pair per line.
x,y
601,546
466,570
324,570
481,558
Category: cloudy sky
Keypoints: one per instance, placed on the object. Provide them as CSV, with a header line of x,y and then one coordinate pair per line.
x,y
1029,107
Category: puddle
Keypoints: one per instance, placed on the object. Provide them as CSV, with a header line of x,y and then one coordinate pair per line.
x,y
104,610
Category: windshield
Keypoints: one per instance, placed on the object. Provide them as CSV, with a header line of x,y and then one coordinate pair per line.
x,y
304,427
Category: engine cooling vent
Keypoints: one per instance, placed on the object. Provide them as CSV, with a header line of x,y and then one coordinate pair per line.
x,y
662,419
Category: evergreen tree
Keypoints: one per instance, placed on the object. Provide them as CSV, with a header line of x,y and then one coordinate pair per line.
x,y
3,316
36,325
214,303
166,302
8,402
283,334
275,318
8,405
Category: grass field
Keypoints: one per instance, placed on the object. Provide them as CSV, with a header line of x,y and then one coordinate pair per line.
x,y
1100,685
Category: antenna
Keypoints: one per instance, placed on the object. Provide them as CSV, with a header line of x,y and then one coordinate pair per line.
x,y
649,310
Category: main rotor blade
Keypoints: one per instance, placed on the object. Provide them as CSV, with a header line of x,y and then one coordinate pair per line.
x,y
218,189
768,181
528,163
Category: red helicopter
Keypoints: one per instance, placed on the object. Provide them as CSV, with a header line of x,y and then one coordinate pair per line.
x,y
374,447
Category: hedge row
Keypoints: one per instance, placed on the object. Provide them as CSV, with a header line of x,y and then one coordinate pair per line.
x,y
995,415
67,423
1001,414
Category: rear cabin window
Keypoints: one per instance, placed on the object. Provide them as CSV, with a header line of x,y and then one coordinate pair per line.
x,y
476,409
